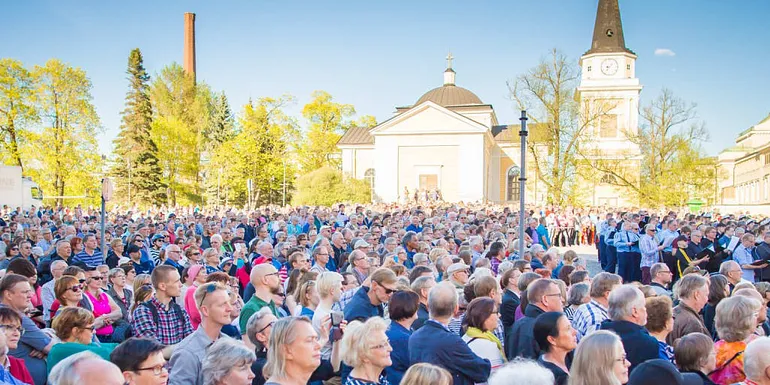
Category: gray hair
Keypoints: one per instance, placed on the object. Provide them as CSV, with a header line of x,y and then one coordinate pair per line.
x,y
756,358
66,371
522,371
251,325
475,240
724,268
420,257
503,267
222,357
422,283
577,294
735,319
623,300
691,283
442,300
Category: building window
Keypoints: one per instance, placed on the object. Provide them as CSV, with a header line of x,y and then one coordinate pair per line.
x,y
628,67
514,190
589,69
767,159
608,126
369,177
608,179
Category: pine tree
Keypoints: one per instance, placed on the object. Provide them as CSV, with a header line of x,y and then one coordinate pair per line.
x,y
134,148
220,129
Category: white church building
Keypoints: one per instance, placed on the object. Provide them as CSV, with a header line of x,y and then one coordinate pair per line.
x,y
450,140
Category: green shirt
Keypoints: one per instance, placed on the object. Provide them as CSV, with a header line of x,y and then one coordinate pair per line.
x,y
254,305
63,350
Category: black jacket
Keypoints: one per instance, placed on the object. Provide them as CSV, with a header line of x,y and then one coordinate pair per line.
x,y
639,344
520,341
508,308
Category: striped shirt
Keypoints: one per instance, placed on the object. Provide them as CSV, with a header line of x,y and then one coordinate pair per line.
x,y
588,318
89,260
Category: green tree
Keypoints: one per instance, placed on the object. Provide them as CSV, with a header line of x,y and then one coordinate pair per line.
x,y
328,121
222,124
17,109
63,153
674,167
181,113
258,151
326,186
136,167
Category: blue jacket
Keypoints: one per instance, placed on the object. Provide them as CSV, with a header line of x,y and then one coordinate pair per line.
x,y
639,344
399,341
436,345
508,308
360,308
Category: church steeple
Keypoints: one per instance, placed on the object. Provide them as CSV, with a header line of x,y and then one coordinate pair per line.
x,y
608,29
449,74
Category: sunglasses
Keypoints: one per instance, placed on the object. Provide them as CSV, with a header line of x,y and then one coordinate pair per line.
x,y
97,278
82,281
76,288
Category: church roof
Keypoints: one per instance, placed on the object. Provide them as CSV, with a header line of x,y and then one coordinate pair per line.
x,y
510,133
450,95
356,136
608,29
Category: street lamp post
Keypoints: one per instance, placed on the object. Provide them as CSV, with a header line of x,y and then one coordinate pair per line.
x,y
522,180
106,196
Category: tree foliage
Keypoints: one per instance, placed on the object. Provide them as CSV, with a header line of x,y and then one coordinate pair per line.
x,y
136,168
327,122
17,109
674,167
62,154
326,186
258,150
181,113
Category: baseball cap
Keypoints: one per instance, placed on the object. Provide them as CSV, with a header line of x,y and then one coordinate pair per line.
x,y
455,267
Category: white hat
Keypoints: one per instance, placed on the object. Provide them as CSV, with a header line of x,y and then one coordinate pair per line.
x,y
455,267
361,243
123,260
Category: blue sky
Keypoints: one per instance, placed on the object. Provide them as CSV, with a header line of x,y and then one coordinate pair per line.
x,y
378,55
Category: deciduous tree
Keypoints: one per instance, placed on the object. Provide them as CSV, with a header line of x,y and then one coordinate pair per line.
x,y
326,186
17,109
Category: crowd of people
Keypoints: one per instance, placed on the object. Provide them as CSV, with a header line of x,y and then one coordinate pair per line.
x,y
410,294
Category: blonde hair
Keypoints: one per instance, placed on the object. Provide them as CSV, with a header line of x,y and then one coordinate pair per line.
x,y
436,253
327,281
355,344
303,291
426,374
594,359
284,333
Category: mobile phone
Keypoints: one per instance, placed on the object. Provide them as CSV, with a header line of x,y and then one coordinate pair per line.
x,y
336,334
239,246
336,318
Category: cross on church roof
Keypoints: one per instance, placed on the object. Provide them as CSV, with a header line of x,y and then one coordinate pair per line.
x,y
449,60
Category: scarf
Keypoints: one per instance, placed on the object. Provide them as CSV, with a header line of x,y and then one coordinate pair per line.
x,y
477,333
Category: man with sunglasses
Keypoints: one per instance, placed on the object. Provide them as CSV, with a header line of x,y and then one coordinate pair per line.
x,y
368,301
213,300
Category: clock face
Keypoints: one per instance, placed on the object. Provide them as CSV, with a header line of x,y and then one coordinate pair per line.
x,y
609,67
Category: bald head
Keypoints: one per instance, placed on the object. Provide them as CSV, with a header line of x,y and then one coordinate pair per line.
x,y
261,274
442,300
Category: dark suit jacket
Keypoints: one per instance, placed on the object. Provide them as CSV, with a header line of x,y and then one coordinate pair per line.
x,y
508,307
520,341
639,344
436,345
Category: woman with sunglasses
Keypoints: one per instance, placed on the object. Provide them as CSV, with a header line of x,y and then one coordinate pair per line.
x,y
68,291
75,327
105,309
141,361
11,252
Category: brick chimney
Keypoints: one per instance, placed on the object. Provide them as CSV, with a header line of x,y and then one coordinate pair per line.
x,y
189,43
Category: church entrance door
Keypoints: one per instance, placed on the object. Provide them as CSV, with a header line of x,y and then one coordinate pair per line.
x,y
428,182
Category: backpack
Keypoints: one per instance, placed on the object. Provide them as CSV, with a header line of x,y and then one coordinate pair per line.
x,y
156,317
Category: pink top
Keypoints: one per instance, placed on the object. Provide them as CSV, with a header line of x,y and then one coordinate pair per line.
x,y
191,307
101,307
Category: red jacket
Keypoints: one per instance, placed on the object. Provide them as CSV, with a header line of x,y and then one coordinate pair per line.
x,y
19,370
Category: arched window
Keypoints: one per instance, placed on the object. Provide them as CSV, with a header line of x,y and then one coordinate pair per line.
x,y
514,191
369,177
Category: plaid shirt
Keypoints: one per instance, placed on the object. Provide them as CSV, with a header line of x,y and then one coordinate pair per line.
x,y
168,331
588,318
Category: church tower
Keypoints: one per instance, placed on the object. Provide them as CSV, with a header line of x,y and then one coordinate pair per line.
x,y
609,94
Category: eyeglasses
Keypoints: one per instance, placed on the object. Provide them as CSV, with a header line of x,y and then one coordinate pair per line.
x,y
82,281
13,328
76,288
266,326
381,346
276,274
91,328
621,359
98,278
156,370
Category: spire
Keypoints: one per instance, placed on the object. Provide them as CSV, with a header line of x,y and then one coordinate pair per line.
x,y
449,74
608,29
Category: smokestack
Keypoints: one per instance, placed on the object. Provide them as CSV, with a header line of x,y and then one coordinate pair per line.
x,y
189,43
